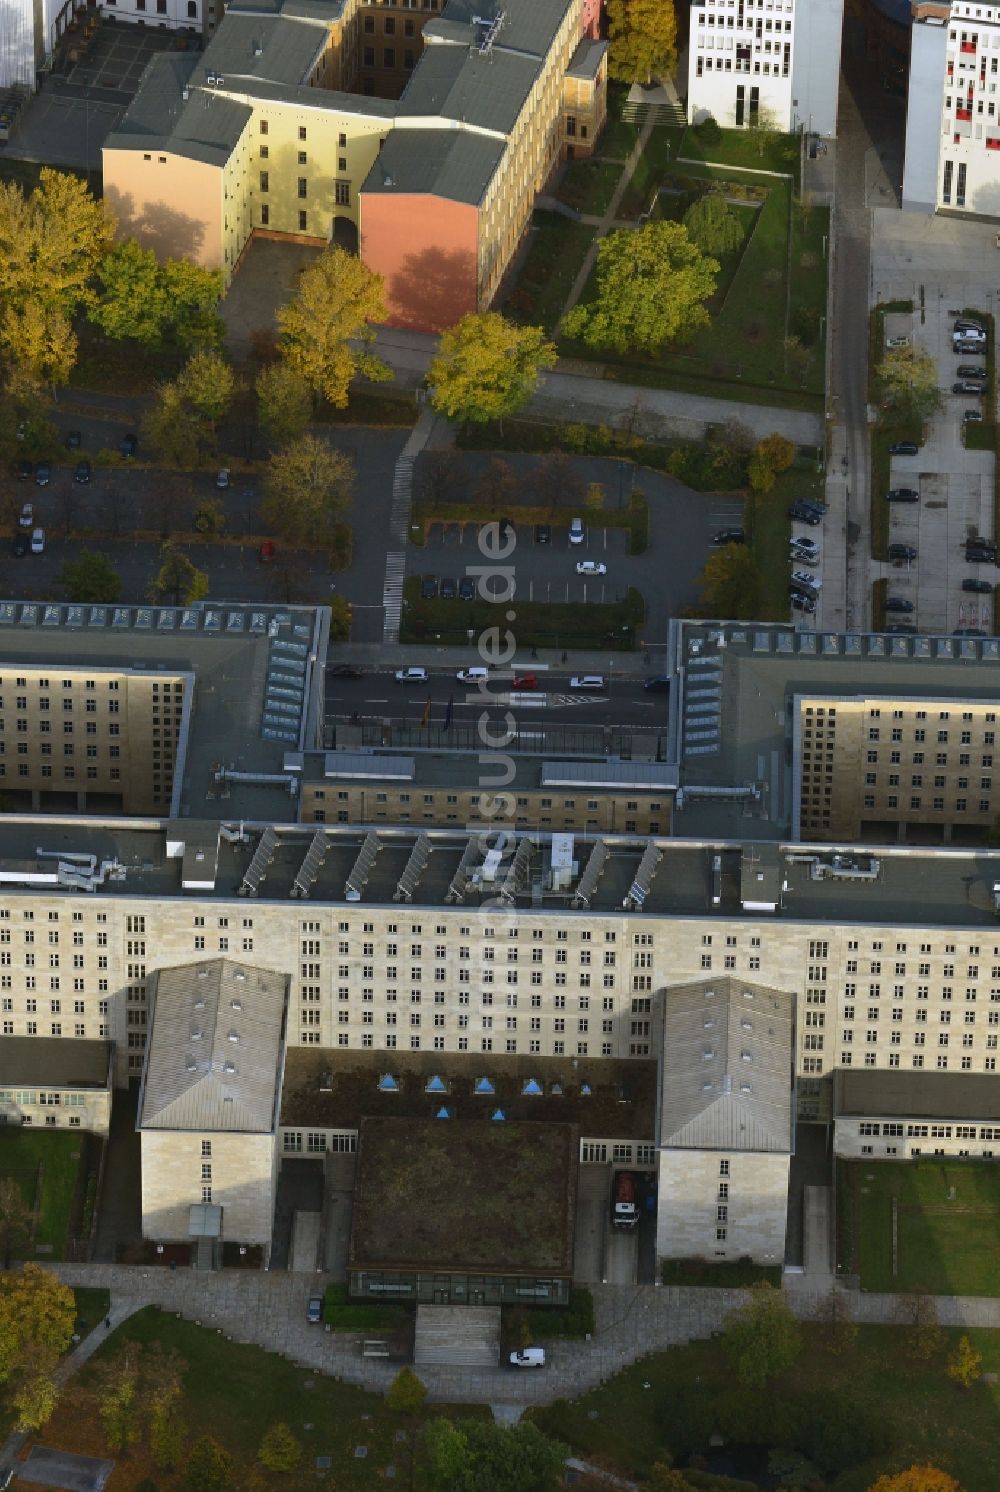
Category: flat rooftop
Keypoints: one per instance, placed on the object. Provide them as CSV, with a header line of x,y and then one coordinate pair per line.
x,y
731,715
407,867
336,1088
52,1062
464,769
257,692
916,1095
420,1201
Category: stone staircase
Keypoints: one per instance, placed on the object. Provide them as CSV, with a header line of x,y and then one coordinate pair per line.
x,y
635,112
466,1336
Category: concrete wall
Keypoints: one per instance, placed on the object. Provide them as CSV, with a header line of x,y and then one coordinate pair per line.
x,y
816,65
242,1171
88,1108
425,250
692,1189
877,1138
169,203
925,102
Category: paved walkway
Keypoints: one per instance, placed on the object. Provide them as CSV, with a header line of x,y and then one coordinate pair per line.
x,y
122,1307
609,220
270,1309
579,393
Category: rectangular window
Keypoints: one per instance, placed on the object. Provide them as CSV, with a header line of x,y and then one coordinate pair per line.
x,y
303,221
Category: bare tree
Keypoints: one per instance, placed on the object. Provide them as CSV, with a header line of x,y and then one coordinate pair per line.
x,y
441,477
557,482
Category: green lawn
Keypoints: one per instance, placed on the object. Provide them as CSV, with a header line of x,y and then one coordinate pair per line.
x,y
742,353
558,249
727,1274
948,1215
235,1392
589,185
650,169
686,1393
92,1306
57,1151
539,624
740,148
617,137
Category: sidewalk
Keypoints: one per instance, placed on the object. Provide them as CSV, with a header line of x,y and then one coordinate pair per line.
x,y
270,1309
635,665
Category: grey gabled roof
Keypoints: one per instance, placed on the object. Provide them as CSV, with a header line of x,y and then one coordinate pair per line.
x,y
215,1053
727,1067
528,25
487,92
440,163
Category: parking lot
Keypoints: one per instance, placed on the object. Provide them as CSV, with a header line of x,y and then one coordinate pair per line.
x,y
955,487
544,571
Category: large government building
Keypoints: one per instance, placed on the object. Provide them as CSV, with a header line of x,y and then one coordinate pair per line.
x,y
199,917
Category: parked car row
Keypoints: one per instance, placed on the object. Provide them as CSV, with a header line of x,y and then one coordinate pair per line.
x,y
477,674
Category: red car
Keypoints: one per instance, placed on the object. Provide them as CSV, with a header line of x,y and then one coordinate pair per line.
x,y
526,681
266,552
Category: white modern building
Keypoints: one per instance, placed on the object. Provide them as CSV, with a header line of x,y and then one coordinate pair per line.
x,y
781,57
952,125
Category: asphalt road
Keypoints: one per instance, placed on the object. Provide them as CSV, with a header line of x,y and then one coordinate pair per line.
x,y
377,696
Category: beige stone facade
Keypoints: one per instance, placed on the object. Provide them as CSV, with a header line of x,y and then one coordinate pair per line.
x,y
232,1171
716,1205
872,765
447,978
85,732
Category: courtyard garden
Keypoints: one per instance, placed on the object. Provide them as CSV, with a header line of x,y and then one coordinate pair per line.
x,y
46,1167
766,339
946,1220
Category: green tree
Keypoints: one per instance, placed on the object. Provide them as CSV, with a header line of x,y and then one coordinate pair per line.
x,y
178,580
38,340
284,403
90,577
35,1310
51,242
209,517
712,225
907,383
771,455
965,1364
15,1220
161,1371
643,36
764,128
175,433
167,1435
35,1391
487,368
651,289
340,619
668,1479
836,1321
447,1459
279,1450
118,1400
132,297
307,490
594,500
194,294
210,1466
207,384
762,1338
334,309
406,1393
919,1312
731,583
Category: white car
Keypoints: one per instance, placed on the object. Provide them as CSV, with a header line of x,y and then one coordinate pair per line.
x,y
591,567
968,334
805,546
38,541
531,1357
472,675
223,480
587,681
577,532
27,517
411,676
807,581
891,342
